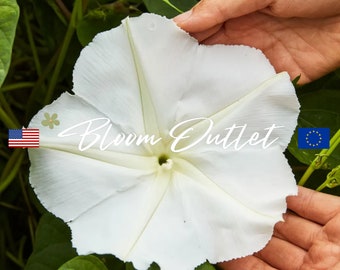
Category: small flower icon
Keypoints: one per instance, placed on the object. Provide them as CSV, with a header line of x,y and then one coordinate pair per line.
x,y
50,121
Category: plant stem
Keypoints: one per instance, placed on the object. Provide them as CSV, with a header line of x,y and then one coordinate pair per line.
x,y
14,259
321,158
16,86
173,6
40,84
32,44
76,14
333,179
7,112
322,186
63,9
6,119
32,223
12,168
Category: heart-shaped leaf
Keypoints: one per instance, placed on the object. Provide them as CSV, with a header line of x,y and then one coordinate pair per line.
x,y
88,262
9,11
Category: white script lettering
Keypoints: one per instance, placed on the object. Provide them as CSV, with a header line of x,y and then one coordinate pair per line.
x,y
89,132
186,135
219,139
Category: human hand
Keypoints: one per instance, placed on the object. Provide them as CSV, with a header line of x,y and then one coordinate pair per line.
x,y
309,239
298,36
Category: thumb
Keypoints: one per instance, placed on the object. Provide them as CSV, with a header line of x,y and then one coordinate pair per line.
x,y
208,13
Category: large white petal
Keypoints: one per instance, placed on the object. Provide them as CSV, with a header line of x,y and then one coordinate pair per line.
x,y
203,214
271,104
149,71
69,185
219,208
68,181
188,80
117,225
79,118
259,180
105,76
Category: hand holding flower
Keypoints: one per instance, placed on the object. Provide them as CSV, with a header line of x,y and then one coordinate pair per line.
x,y
301,37
308,239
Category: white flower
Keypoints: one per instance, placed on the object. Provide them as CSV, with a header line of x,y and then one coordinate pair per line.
x,y
146,203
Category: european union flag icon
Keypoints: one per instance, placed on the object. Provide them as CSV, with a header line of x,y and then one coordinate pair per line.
x,y
313,138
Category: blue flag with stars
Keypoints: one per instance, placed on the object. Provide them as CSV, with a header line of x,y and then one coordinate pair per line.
x,y
313,138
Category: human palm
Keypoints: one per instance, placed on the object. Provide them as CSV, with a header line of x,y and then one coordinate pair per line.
x,y
307,46
309,239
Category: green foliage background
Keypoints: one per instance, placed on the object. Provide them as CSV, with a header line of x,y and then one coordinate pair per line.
x,y
48,36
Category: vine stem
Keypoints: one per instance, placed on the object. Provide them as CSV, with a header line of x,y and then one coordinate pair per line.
x,y
332,180
16,86
6,113
6,119
14,259
321,158
32,43
322,186
11,169
173,6
75,16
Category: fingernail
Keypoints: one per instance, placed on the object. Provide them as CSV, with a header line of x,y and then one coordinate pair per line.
x,y
183,17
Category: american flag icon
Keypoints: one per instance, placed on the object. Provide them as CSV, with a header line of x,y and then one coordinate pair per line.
x,y
23,138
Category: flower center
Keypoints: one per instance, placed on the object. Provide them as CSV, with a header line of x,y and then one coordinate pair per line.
x,y
165,162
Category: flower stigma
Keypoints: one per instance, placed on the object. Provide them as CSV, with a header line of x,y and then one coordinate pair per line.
x,y
165,162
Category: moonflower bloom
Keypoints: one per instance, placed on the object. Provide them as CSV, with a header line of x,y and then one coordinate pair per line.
x,y
208,180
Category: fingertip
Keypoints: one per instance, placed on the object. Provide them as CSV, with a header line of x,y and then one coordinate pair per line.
x,y
182,18
300,190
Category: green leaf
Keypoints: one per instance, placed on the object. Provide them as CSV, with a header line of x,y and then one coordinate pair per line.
x,y
111,261
319,108
205,266
9,11
99,20
88,262
129,266
154,266
169,8
52,246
